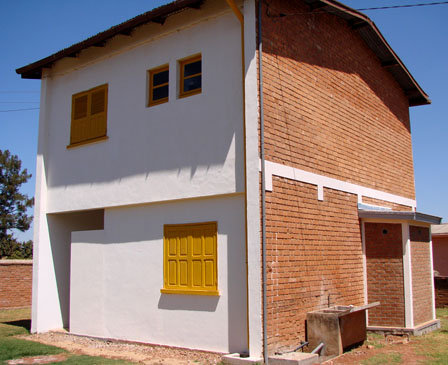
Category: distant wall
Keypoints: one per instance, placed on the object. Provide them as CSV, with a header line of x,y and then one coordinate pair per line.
x,y
15,283
441,288
440,254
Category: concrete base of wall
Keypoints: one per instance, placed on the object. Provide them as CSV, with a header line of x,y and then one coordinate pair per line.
x,y
416,331
294,358
236,359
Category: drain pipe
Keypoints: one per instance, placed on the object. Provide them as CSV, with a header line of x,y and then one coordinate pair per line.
x,y
263,183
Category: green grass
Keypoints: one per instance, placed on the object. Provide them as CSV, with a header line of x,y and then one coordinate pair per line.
x,y
13,348
92,360
434,345
15,322
376,340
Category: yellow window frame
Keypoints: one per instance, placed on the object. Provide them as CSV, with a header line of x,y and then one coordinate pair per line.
x,y
190,259
152,73
182,65
91,127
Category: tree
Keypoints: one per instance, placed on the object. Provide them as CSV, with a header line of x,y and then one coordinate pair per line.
x,y
13,207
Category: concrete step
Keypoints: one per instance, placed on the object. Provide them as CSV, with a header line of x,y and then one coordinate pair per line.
x,y
296,358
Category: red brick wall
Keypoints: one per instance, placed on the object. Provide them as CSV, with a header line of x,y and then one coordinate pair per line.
x,y
314,257
15,283
440,254
330,107
421,274
384,258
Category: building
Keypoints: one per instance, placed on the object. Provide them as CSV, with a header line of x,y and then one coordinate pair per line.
x,y
439,235
172,195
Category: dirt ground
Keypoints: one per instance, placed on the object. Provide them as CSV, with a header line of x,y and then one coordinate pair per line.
x,y
150,354
387,346
139,353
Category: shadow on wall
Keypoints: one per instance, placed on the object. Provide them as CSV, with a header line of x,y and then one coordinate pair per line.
x,y
135,234
60,227
201,303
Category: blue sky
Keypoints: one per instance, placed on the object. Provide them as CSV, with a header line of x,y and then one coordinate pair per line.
x,y
31,30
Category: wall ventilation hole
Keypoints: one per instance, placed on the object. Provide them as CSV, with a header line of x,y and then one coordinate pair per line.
x,y
385,231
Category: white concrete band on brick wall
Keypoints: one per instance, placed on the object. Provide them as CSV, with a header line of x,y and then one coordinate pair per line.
x,y
407,277
364,267
433,298
273,168
5,262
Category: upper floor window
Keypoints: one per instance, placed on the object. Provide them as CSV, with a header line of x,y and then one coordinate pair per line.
x,y
158,85
190,76
89,116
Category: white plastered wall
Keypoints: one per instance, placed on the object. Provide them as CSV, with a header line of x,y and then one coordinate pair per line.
x,y
185,148
117,274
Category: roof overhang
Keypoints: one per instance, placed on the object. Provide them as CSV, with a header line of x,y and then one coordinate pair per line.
x,y
157,15
440,230
357,21
399,215
368,31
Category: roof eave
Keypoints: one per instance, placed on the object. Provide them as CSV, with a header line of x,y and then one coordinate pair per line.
x,y
368,31
158,15
399,215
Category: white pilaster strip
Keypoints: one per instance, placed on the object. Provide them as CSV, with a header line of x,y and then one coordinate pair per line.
x,y
273,168
364,266
433,298
407,277
320,192
253,183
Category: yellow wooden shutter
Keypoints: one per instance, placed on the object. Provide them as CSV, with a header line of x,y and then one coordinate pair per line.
x,y
190,259
79,117
98,108
89,115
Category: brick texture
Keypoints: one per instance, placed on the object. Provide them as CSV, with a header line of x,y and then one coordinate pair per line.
x,y
314,257
384,258
15,283
441,288
421,274
330,107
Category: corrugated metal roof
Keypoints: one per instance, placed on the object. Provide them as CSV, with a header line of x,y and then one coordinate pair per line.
x,y
358,21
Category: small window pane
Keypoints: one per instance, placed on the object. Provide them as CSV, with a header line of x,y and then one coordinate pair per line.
x,y
192,83
160,93
160,78
192,68
98,99
80,107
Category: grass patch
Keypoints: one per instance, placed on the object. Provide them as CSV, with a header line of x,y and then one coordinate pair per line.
x,y
13,348
434,345
379,359
92,360
376,340
15,322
